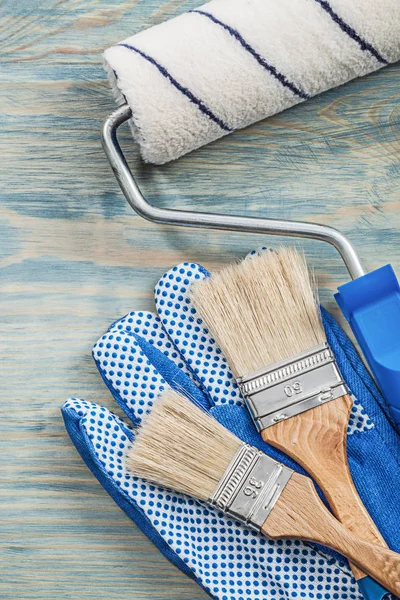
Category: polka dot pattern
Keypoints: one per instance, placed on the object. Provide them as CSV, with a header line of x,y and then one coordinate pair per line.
x,y
128,373
359,420
149,326
198,348
230,561
187,332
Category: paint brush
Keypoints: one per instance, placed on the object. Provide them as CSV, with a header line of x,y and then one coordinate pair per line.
x,y
264,315
182,448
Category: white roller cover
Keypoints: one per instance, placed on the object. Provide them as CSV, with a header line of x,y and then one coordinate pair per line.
x,y
231,63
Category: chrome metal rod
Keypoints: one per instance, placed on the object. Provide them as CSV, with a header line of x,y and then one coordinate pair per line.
x,y
214,220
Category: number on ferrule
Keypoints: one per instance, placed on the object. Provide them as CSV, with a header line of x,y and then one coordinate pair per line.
x,y
293,388
252,488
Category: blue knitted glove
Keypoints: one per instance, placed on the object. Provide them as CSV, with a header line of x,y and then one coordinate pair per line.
x,y
142,354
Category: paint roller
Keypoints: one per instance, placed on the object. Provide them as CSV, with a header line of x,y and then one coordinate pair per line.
x,y
197,77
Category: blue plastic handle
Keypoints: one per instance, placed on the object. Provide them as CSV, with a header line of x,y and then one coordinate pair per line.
x,y
371,305
372,590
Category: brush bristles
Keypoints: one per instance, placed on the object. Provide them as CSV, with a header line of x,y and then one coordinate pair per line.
x,y
182,448
261,310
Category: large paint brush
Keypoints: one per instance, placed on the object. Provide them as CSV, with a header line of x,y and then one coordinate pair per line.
x,y
182,448
264,315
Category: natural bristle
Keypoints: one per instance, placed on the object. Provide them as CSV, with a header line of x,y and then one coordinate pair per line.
x,y
182,448
261,310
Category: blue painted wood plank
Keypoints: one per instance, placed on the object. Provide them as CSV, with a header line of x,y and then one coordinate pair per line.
x,y
73,257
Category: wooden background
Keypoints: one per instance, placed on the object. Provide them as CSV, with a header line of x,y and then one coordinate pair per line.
x,y
73,257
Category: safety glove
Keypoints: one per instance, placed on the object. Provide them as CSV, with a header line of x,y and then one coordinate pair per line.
x,y
144,353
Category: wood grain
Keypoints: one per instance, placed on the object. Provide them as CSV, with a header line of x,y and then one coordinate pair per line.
x,y
299,512
316,439
73,258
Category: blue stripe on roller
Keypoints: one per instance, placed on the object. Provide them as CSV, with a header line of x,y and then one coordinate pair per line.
x,y
184,90
270,68
364,45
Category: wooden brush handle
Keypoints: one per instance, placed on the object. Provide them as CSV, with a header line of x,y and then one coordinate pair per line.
x,y
316,439
300,513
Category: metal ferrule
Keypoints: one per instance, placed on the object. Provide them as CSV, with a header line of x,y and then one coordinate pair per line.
x,y
251,485
292,386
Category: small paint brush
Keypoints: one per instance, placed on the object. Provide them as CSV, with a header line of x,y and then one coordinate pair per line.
x,y
182,448
264,315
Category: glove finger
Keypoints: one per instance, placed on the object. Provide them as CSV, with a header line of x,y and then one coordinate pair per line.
x,y
147,325
226,559
128,374
194,343
126,364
